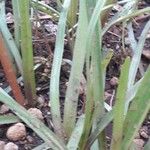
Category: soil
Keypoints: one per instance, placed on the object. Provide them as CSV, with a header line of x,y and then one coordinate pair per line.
x,y
44,36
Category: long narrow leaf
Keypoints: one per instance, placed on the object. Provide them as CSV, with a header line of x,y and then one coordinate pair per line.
x,y
72,93
46,9
55,74
132,39
137,111
94,43
76,134
125,17
131,92
119,107
127,9
137,55
89,104
8,119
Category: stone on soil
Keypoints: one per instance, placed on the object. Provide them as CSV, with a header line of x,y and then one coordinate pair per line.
x,y
16,132
36,113
4,109
2,144
139,144
11,146
114,81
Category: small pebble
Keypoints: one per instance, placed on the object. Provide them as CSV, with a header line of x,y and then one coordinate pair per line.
x,y
144,132
2,144
127,41
41,101
117,47
114,81
29,139
46,70
36,113
144,135
139,143
48,65
11,146
4,109
146,53
9,18
16,132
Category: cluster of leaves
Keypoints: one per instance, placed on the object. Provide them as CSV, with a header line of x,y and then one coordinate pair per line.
x,y
86,132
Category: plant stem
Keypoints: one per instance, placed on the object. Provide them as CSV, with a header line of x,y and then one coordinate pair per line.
x,y
10,74
27,52
13,51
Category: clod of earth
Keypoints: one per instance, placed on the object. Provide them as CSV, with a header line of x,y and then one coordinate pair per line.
x,y
139,143
114,81
4,109
11,146
2,144
16,132
36,113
